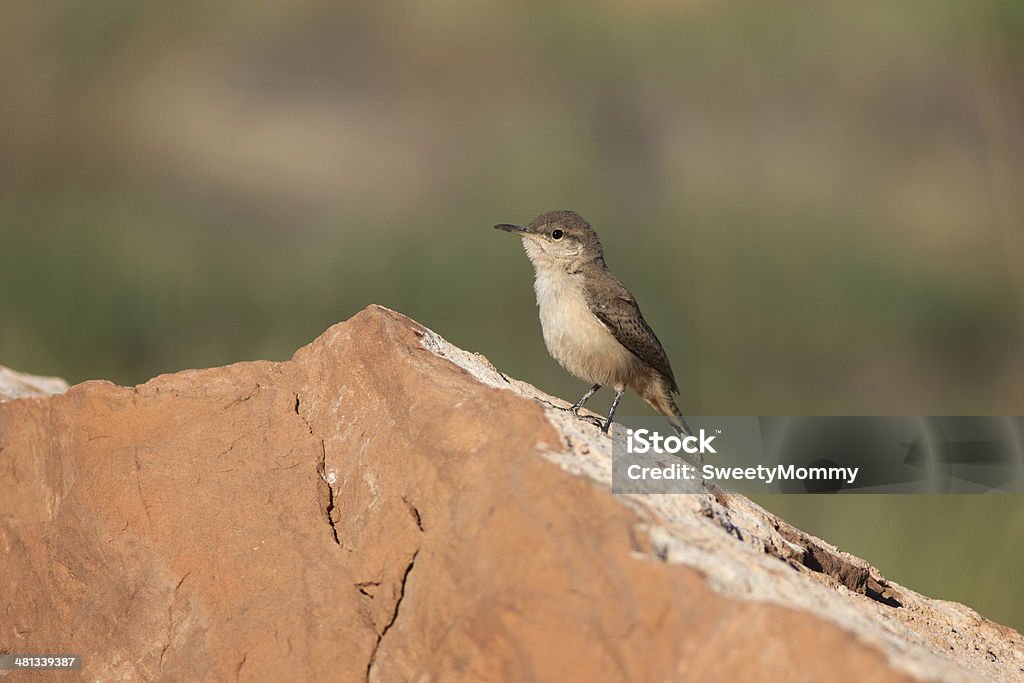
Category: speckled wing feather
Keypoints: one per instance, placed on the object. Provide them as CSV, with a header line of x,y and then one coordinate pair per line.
x,y
617,309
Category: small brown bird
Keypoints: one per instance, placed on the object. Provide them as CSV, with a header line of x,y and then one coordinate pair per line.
x,y
592,324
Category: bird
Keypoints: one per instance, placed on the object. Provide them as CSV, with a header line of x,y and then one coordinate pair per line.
x,y
592,325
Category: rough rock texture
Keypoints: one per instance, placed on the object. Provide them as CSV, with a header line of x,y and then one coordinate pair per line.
x,y
387,507
19,385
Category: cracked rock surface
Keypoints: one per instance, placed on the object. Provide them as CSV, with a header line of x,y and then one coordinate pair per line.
x,y
388,507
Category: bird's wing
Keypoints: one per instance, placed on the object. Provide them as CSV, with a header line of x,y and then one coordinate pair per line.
x,y
619,312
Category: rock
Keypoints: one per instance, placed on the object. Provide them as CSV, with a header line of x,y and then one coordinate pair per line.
x,y
20,385
385,506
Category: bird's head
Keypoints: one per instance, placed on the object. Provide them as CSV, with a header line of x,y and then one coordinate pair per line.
x,y
558,238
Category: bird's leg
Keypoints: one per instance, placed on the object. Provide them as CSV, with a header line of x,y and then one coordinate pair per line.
x,y
611,412
586,397
575,409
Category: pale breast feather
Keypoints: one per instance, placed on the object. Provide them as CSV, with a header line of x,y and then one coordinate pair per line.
x,y
574,336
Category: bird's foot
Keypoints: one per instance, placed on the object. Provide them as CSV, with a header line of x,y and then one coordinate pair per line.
x,y
575,410
549,404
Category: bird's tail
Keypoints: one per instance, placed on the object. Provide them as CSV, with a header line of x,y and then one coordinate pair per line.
x,y
659,396
681,426
678,422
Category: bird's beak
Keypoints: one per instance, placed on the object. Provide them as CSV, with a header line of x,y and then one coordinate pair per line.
x,y
508,227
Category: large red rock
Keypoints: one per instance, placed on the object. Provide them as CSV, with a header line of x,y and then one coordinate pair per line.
x,y
15,384
385,506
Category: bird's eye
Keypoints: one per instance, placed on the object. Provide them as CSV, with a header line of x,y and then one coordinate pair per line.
x,y
556,234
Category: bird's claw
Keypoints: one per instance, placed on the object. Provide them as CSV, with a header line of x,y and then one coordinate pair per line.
x,y
596,421
549,404
575,410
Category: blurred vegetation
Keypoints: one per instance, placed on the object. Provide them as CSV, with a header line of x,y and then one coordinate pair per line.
x,y
818,205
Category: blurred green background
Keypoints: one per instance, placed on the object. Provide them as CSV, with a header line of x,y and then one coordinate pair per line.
x,y
819,205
